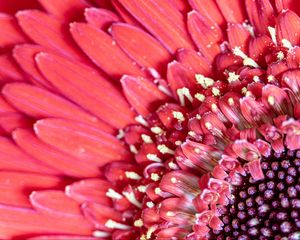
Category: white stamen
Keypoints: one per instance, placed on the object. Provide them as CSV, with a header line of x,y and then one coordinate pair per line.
x,y
178,143
198,116
157,191
205,82
142,188
113,194
230,101
200,97
271,100
272,32
115,225
238,52
287,44
131,198
184,92
249,28
256,79
197,150
149,232
141,120
146,138
132,175
150,204
208,125
244,90
192,133
214,107
164,90
178,115
170,214
280,56
138,223
246,60
232,77
173,180
172,165
153,157
155,177
133,149
164,149
271,78
157,130
121,134
100,234
215,91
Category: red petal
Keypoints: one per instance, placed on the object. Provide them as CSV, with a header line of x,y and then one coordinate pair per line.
x,y
103,51
12,223
261,15
90,190
41,103
142,94
9,70
288,27
194,62
256,170
259,47
293,5
142,47
209,9
246,150
100,18
24,55
48,32
198,27
181,5
238,36
233,10
10,121
87,88
80,140
12,158
66,164
161,19
67,10
54,202
11,33
63,237
5,107
15,187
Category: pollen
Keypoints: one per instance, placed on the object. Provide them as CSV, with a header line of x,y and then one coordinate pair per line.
x,y
146,138
271,100
233,77
153,157
205,82
157,130
132,175
200,97
138,223
164,149
178,115
184,92
155,177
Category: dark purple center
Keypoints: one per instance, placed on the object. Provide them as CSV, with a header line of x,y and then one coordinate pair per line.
x,y
267,209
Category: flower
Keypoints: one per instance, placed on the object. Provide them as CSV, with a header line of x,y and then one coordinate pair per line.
x,y
150,120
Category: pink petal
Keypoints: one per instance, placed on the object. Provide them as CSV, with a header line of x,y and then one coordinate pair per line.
x,y
12,158
288,27
12,223
63,237
11,33
255,170
209,9
67,10
90,190
282,5
142,47
5,107
161,19
238,36
232,10
54,202
246,150
259,47
40,103
48,32
24,55
261,15
15,187
14,5
87,88
199,26
64,163
194,62
142,94
103,51
9,70
100,18
81,141
181,5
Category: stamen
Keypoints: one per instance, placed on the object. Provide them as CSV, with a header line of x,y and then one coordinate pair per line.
x,y
287,44
178,143
157,191
246,60
215,91
272,32
173,180
155,177
153,157
232,77
133,175
131,198
150,204
100,234
200,97
184,92
157,130
142,188
172,165
113,194
141,120
146,138
271,100
121,134
115,225
205,82
178,115
133,149
280,55
138,223
164,149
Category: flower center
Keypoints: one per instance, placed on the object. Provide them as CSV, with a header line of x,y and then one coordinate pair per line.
x,y
267,208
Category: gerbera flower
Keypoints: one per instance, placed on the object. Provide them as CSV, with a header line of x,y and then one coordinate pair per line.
x,y
130,119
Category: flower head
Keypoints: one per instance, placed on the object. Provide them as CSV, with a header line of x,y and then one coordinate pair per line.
x,y
151,120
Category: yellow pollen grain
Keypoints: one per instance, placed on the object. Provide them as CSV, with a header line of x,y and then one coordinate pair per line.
x,y
142,188
256,79
232,77
138,223
271,78
280,56
178,143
